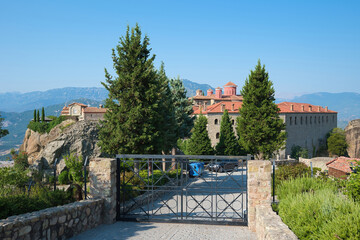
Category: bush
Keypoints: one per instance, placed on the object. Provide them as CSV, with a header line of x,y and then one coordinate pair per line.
x,y
44,127
20,160
64,177
297,152
352,185
292,171
336,143
75,163
12,180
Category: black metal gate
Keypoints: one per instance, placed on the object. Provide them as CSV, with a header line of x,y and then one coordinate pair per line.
x,y
182,188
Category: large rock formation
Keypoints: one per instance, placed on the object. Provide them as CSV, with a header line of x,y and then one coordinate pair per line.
x,y
352,132
67,137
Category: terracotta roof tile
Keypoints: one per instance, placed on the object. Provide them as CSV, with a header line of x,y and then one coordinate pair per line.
x,y
230,84
80,104
342,164
285,107
216,108
95,110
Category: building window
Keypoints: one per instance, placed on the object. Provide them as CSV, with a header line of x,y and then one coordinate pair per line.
x,y
327,119
315,119
319,119
310,120
290,120
217,135
295,121
306,120
301,121
322,119
216,122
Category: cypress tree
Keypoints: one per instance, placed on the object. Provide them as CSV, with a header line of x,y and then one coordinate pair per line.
x,y
42,114
34,115
259,125
199,143
3,132
228,144
131,124
37,116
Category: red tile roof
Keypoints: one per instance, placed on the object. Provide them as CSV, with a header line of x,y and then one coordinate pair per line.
x,y
217,107
230,84
223,97
342,164
95,110
80,104
292,107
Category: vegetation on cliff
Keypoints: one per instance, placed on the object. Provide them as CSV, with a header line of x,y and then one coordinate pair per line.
x,y
45,127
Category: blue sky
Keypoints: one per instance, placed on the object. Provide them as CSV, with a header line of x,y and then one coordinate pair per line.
x,y
306,46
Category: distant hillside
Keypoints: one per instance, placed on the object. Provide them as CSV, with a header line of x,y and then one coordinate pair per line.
x,y
347,104
191,87
19,102
17,123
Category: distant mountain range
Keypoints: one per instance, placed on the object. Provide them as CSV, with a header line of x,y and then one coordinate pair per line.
x,y
17,108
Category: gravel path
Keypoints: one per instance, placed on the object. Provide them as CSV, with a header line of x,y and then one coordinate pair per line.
x,y
174,231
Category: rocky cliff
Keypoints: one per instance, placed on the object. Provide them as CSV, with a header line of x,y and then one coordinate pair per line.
x,y
69,136
352,132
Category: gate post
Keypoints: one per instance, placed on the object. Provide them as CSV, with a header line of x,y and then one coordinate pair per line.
x,y
258,187
102,175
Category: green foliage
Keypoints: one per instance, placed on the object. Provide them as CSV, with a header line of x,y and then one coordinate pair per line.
x,y
199,143
183,145
297,152
64,177
292,171
352,185
75,165
336,143
20,160
228,145
44,127
3,132
66,126
42,114
37,116
259,127
183,109
135,101
34,119
12,180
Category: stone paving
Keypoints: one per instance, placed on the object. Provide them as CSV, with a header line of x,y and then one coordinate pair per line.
x,y
173,231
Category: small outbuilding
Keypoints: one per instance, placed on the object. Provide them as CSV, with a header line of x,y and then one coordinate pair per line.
x,y
341,167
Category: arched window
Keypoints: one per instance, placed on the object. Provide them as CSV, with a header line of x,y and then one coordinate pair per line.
x,y
290,120
233,122
301,120
216,122
217,135
306,120
295,121
322,119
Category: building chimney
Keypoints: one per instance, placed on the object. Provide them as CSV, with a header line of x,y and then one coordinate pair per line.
x,y
310,108
233,107
199,92
222,107
209,92
100,106
218,92
302,107
318,108
326,109
292,107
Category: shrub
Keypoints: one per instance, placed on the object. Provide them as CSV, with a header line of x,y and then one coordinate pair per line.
x,y
20,160
12,180
75,165
292,171
44,127
352,185
336,142
64,177
297,152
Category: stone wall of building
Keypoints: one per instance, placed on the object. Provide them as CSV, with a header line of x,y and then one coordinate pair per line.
x,y
102,176
307,130
269,225
93,116
318,162
60,222
214,122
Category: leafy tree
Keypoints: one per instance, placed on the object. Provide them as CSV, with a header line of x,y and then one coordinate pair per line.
x,y
297,152
337,142
199,143
131,124
3,132
20,160
259,126
42,114
228,145
34,120
183,109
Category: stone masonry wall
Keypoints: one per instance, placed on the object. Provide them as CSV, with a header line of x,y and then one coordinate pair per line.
x,y
102,175
259,188
270,227
60,222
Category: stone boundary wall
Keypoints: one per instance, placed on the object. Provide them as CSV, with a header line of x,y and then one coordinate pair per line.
x,y
270,227
318,162
60,222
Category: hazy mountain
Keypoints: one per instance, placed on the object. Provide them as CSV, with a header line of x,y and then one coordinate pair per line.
x,y
191,87
19,102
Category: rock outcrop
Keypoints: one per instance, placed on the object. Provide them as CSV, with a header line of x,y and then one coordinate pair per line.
x,y
352,132
67,137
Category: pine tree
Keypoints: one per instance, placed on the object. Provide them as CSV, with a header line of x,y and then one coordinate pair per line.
x,y
183,109
34,115
3,132
259,126
228,144
131,124
199,143
38,116
42,114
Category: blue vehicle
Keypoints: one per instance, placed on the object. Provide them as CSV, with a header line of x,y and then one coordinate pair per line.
x,y
196,169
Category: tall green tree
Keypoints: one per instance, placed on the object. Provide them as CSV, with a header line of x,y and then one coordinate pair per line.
x,y
42,114
199,143
228,144
3,132
37,116
183,109
34,115
336,143
131,124
259,126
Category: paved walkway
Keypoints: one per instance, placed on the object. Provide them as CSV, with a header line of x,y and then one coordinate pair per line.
x,y
173,231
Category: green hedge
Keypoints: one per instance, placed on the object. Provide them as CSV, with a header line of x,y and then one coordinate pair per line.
x,y
45,127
